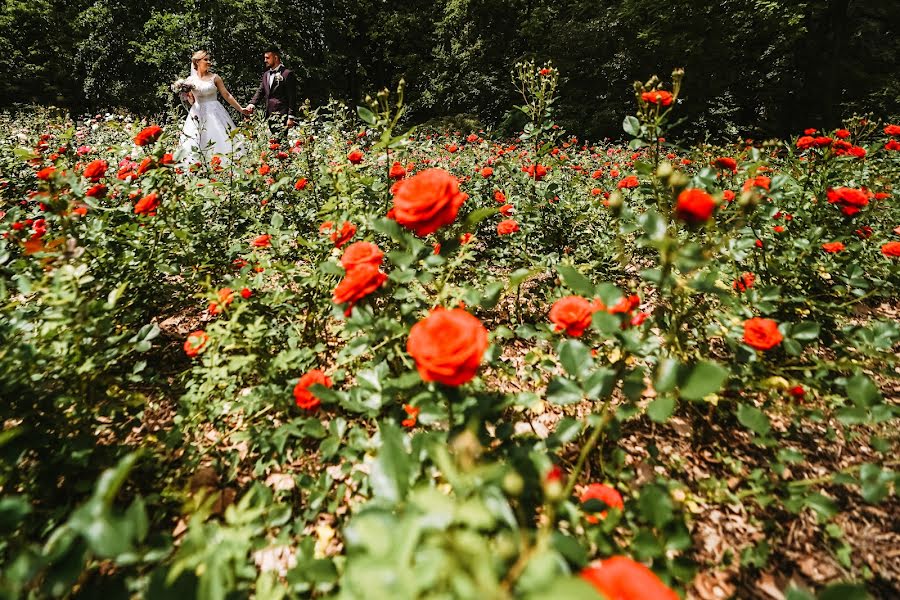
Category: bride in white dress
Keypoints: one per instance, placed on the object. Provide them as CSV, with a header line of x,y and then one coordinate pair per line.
x,y
207,128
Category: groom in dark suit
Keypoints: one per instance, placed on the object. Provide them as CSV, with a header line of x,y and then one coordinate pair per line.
x,y
278,89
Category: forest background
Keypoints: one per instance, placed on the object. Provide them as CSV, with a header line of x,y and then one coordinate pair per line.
x,y
759,68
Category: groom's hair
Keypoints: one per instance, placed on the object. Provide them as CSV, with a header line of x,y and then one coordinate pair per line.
x,y
274,50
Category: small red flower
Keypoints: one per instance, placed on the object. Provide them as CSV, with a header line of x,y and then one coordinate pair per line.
x,y
659,97
412,413
694,206
344,235
148,135
147,205
725,163
891,249
761,334
355,157
628,182
262,241
301,184
507,227
833,247
195,343
304,398
605,494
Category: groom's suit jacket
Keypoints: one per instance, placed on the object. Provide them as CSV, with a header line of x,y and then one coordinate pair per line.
x,y
281,96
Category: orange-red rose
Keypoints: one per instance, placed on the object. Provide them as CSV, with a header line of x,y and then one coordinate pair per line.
x,y
95,170
304,398
660,97
195,343
507,227
428,201
573,314
359,282
761,334
620,578
448,346
833,247
148,135
147,205
694,206
605,494
344,234
891,249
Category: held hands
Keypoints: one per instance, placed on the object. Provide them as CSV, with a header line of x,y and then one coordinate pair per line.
x,y
247,110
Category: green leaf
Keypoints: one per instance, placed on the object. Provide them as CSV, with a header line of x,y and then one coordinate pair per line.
x,y
805,331
704,379
656,505
390,473
844,591
477,216
823,505
601,383
575,281
666,375
562,391
366,115
575,358
862,391
874,482
277,221
632,126
661,408
753,419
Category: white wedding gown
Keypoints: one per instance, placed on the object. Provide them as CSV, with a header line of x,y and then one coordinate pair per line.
x,y
207,127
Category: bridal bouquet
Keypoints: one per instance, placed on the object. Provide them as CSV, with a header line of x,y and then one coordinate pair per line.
x,y
182,86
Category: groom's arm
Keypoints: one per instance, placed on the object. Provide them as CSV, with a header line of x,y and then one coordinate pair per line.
x,y
260,93
292,95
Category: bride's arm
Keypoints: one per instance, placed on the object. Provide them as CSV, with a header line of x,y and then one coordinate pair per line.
x,y
226,94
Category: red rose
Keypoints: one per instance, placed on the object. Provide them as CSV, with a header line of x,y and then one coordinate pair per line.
x,y
660,97
833,247
452,148
728,196
628,182
428,201
397,171
412,415
148,135
573,314
892,145
98,191
760,181
301,184
344,235
694,206
359,282
46,173
891,249
805,142
147,205
842,133
500,197
725,163
761,334
810,131
262,241
892,129
195,343
355,157
447,346
797,392
472,138
95,170
850,200
487,172
361,253
246,293
506,209
620,578
507,227
465,238
605,494
744,282
304,398
264,169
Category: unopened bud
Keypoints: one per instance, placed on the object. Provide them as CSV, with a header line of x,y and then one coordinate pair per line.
x,y
553,484
665,170
679,180
616,201
747,200
513,483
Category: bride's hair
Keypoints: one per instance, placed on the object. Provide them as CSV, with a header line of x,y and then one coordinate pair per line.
x,y
199,54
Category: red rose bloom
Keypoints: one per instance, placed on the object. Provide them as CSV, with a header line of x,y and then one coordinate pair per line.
x,y
805,142
507,227
892,145
833,247
500,197
46,173
892,129
850,200
760,181
660,97
246,293
452,148
412,415
98,191
725,163
620,578
359,282
744,282
361,253
448,346
301,184
487,172
148,135
428,201
694,206
344,235
147,205
262,241
397,171
628,182
573,314
761,334
842,134
891,249
304,398
95,170
195,343
355,157
605,494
